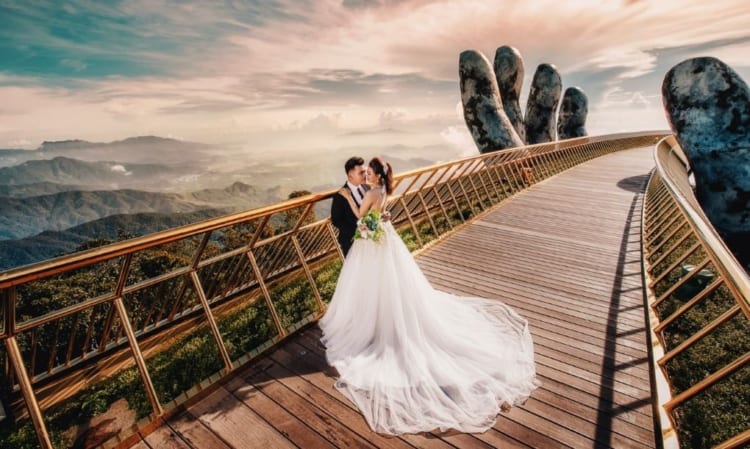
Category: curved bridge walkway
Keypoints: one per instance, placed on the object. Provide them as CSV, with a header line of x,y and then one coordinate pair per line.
x,y
566,254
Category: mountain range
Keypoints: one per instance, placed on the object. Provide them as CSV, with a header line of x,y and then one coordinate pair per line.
x,y
65,170
64,193
24,217
38,188
49,244
141,149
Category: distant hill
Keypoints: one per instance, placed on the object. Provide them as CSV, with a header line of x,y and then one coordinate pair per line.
x,y
150,141
26,216
80,144
37,189
13,157
64,170
22,217
238,196
133,150
67,145
49,244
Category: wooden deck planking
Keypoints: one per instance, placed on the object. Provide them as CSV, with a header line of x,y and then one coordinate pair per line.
x,y
165,438
235,423
583,267
194,433
565,254
309,351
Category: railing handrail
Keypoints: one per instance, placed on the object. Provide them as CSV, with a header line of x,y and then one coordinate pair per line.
x,y
686,264
668,148
72,261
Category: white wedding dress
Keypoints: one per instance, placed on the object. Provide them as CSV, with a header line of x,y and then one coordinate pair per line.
x,y
415,359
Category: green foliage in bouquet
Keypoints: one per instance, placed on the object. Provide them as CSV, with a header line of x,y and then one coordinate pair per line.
x,y
369,227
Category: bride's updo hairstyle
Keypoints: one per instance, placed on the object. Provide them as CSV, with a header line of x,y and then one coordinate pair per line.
x,y
384,172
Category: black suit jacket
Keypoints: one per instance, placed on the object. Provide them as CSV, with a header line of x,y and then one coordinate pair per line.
x,y
343,218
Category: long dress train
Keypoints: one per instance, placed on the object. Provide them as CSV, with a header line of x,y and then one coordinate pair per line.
x,y
415,359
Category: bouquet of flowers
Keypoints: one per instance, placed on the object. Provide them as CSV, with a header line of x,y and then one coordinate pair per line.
x,y
369,227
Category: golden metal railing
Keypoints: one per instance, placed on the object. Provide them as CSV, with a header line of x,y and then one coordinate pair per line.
x,y
73,321
699,298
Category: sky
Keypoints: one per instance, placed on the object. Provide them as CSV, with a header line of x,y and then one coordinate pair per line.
x,y
291,75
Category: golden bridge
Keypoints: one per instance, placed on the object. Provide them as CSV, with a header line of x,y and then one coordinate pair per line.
x,y
204,336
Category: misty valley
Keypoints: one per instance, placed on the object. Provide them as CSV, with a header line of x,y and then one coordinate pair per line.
x,y
58,198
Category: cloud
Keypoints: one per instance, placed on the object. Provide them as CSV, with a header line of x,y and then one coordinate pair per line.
x,y
326,87
74,64
617,97
459,137
391,118
631,62
222,71
19,143
118,168
320,122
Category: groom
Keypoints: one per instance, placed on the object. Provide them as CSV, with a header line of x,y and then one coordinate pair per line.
x,y
342,216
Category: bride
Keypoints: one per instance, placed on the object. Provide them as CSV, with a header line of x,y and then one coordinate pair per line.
x,y
412,358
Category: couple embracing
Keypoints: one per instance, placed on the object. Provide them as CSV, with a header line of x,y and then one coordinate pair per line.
x,y
411,358
360,180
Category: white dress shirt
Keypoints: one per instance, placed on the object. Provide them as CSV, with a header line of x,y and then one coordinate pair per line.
x,y
357,192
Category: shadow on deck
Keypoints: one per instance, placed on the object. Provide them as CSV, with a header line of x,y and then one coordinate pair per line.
x,y
565,254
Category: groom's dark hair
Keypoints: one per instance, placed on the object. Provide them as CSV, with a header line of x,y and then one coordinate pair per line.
x,y
353,162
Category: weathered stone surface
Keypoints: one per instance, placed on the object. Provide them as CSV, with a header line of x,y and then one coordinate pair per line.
x,y
708,108
542,105
509,73
483,112
571,120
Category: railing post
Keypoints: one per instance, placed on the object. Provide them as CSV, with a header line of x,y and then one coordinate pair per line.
x,y
211,320
660,228
11,297
198,286
119,308
427,212
455,200
570,155
461,185
329,227
513,168
546,166
308,273
540,164
660,202
109,321
193,265
489,169
548,156
557,159
302,259
425,207
479,173
9,303
138,356
266,294
411,221
581,153
669,209
27,389
502,179
436,191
